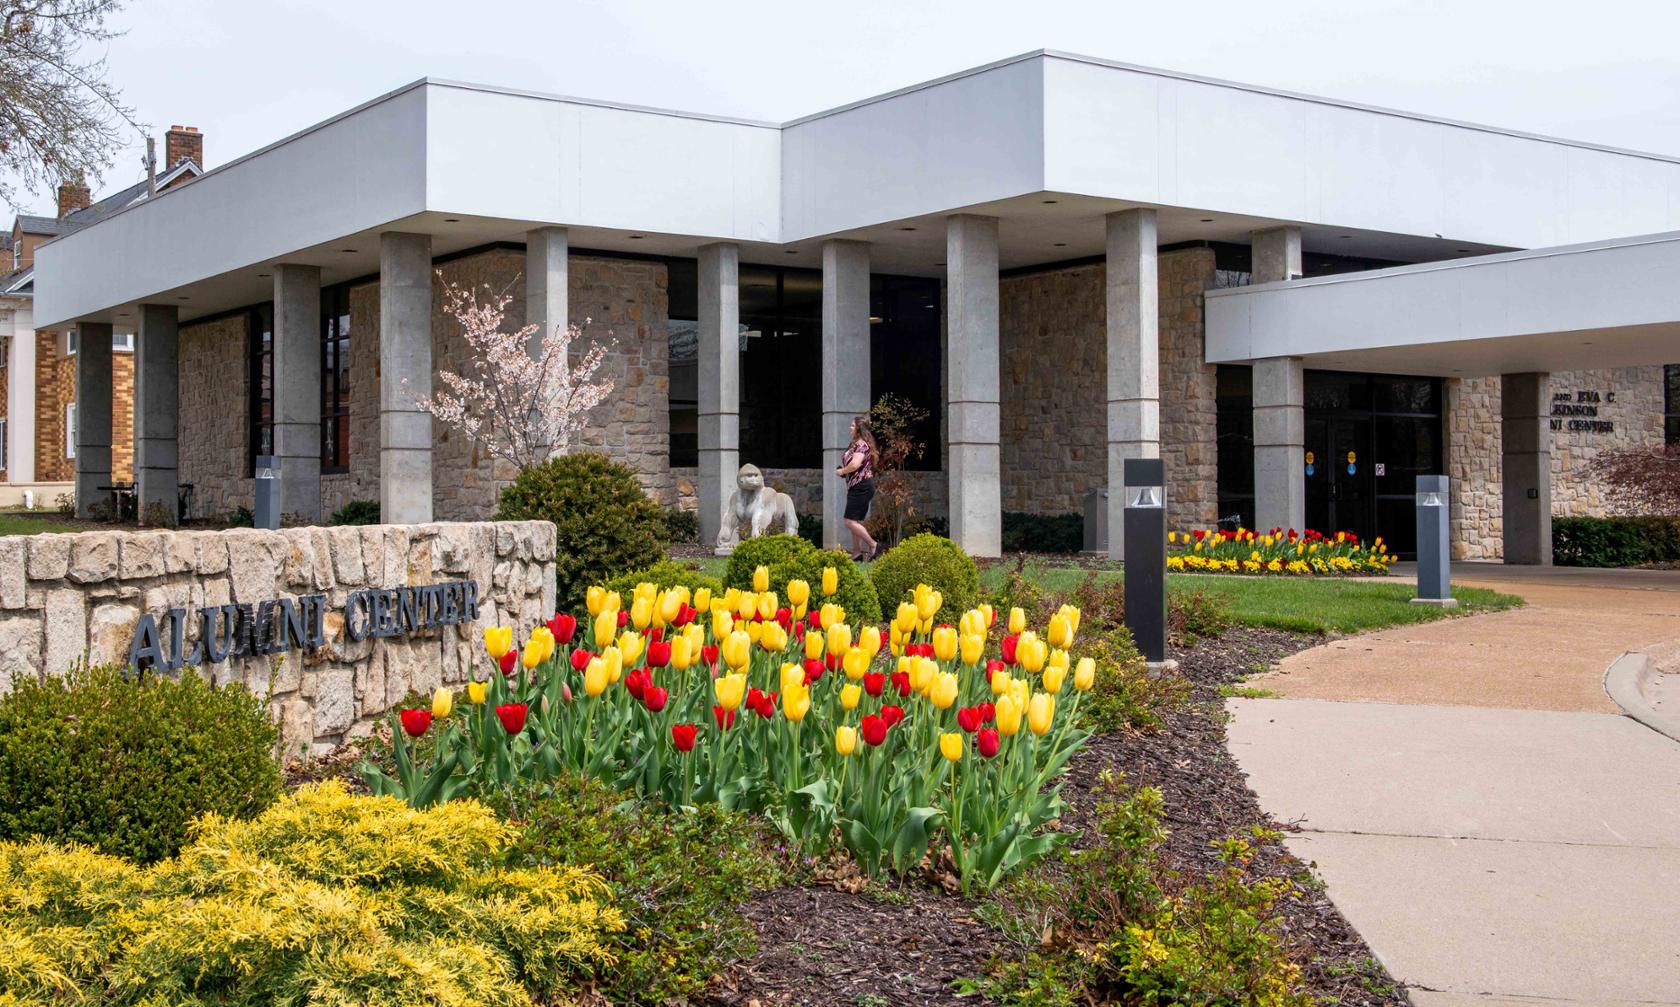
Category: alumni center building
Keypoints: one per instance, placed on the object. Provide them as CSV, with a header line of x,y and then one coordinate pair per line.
x,y
1300,304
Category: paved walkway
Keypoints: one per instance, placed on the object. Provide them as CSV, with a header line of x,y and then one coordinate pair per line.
x,y
1481,812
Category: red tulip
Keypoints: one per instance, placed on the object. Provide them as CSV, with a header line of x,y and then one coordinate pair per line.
x,y
987,711
653,697
755,696
814,619
766,707
813,669
968,718
709,654
654,634
986,742
725,718
874,682
892,714
685,615
566,692
562,626
874,730
637,682
658,654
623,618
682,736
992,668
415,721
901,682
509,661
831,662
1008,648
512,717
784,615
580,659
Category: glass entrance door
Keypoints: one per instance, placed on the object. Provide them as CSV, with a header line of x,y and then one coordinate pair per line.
x,y
1368,437
1340,490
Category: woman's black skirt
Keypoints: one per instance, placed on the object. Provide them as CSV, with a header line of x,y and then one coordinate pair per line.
x,y
858,498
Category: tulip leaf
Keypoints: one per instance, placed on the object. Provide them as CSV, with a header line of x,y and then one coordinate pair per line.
x,y
912,839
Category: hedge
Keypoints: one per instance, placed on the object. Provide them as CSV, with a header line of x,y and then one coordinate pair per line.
x,y
1615,541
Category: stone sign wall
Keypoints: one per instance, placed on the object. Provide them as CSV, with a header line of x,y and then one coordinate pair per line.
x,y
66,597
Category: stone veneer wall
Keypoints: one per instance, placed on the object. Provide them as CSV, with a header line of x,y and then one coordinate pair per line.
x,y
66,596
1473,437
621,299
1054,395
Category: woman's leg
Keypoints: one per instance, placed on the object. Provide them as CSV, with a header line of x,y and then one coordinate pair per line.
x,y
861,537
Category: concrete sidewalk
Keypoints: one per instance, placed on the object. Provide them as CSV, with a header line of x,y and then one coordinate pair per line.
x,y
1492,830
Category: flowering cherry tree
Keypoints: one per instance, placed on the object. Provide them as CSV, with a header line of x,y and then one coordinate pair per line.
x,y
523,398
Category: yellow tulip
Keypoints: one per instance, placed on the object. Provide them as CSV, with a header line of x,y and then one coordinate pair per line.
x,y
845,739
793,677
1052,680
869,640
476,691
1017,620
630,645
731,600
896,640
755,630
1008,716
830,581
815,644
614,661
943,692
944,643
849,695
1060,634
796,702
641,612
681,653
972,623
928,602
767,605
728,690
986,612
670,603
703,600
1030,652
533,654
921,671
1084,674
798,593
855,663
1000,682
545,636
772,637
606,627
746,604
1058,659
737,649
498,640
905,619
1073,615
761,579
831,615
722,622
951,745
595,676
594,600
973,648
839,639
1041,709
443,701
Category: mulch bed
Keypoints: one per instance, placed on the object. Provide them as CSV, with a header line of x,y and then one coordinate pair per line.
x,y
821,947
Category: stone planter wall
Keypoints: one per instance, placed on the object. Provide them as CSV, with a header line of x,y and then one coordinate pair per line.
x,y
64,598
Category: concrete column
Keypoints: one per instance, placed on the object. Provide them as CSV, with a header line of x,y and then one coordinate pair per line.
x,y
1526,460
1275,254
1134,357
720,382
1280,482
157,381
845,367
93,419
297,389
547,252
405,374
971,391
20,399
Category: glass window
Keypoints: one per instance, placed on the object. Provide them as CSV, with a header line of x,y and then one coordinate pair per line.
x,y
904,357
335,379
1671,404
259,339
70,430
1234,421
683,333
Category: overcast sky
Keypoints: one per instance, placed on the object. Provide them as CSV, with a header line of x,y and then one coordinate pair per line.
x,y
249,73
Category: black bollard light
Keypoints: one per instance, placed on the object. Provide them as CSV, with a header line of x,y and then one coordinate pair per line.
x,y
1434,579
267,512
1145,550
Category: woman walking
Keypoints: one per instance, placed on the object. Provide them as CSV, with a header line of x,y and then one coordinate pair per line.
x,y
857,467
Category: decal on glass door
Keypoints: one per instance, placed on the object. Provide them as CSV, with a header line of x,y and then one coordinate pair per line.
x,y
1353,458
1309,463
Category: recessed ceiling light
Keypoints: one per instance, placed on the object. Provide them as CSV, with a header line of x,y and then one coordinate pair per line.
x,y
1345,235
793,251
1061,244
1207,220
182,297
636,237
263,276
122,314
348,251
907,229
452,220
1586,342
1047,202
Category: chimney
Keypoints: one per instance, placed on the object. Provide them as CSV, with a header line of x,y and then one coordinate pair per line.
x,y
181,143
72,196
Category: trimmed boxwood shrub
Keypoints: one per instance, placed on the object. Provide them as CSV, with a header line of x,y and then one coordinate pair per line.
x,y
356,512
124,765
682,527
603,523
666,573
1057,533
789,557
1615,541
927,559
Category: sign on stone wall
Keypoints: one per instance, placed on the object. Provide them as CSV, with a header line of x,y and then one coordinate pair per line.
x,y
1577,411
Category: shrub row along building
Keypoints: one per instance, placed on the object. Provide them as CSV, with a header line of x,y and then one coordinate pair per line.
x,y
1299,303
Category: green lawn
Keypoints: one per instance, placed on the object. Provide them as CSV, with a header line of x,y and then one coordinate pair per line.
x,y
14,523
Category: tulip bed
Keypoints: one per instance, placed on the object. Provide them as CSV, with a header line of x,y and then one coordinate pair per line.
x,y
877,741
1279,551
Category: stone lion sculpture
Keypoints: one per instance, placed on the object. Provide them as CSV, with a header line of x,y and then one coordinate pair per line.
x,y
753,511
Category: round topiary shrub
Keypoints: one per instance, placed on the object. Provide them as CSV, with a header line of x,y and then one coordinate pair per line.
x,y
666,573
927,559
603,523
125,765
790,557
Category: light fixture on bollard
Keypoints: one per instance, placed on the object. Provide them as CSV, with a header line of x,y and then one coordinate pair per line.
x,y
1434,581
268,492
1145,549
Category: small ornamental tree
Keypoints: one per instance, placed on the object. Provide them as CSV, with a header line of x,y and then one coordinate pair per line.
x,y
523,399
1641,481
895,420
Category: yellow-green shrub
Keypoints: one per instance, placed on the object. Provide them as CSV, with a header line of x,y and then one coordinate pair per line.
x,y
327,899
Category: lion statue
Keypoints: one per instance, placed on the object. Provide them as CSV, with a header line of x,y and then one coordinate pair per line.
x,y
753,511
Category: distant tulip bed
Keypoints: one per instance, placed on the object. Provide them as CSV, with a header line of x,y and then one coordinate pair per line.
x,y
777,703
1279,551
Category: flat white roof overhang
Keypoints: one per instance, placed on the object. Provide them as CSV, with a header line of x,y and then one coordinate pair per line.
x,y
1594,305
1048,142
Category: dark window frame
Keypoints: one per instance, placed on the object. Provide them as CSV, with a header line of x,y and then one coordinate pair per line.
x,y
259,355
1671,405
335,379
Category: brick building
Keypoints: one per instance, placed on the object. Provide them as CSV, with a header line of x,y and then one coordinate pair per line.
x,y
1299,304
